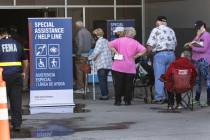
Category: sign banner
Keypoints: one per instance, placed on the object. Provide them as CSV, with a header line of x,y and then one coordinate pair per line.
x,y
112,24
51,76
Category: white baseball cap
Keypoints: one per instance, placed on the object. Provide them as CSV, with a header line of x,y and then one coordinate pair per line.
x,y
119,29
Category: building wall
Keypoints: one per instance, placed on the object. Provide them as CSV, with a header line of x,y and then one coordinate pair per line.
x,y
181,16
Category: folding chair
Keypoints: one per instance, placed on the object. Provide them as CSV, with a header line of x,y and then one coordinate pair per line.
x,y
182,84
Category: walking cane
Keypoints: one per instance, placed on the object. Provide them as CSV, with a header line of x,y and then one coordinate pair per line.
x,y
94,91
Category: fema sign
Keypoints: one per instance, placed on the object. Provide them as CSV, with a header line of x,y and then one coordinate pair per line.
x,y
51,80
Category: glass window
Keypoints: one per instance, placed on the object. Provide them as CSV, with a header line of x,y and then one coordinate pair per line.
x,y
132,13
91,2
129,2
76,14
18,19
59,12
25,2
95,20
40,2
52,12
6,2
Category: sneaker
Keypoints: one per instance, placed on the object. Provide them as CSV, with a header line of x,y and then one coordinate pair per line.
x,y
204,105
178,107
195,102
79,91
156,101
104,98
170,108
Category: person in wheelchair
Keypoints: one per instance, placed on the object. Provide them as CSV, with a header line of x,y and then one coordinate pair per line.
x,y
182,63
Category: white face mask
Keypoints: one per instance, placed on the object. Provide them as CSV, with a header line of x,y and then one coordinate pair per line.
x,y
203,29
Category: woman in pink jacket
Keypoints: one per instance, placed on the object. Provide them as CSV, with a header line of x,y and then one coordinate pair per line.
x,y
126,50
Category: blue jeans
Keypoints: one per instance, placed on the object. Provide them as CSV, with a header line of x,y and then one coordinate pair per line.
x,y
202,68
161,62
102,77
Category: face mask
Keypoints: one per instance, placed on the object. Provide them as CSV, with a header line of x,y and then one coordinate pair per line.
x,y
5,37
95,37
116,35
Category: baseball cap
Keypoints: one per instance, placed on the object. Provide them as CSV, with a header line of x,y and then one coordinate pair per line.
x,y
161,18
119,29
199,24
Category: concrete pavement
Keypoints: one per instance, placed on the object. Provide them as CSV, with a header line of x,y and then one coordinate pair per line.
x,y
104,121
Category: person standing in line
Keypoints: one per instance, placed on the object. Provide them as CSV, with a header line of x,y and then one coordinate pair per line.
x,y
126,50
102,57
14,63
201,58
119,32
84,41
162,42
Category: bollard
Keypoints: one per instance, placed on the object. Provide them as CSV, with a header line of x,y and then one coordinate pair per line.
x,y
4,118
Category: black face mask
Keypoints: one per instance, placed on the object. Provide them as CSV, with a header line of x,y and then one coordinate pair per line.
x,y
95,37
6,37
116,35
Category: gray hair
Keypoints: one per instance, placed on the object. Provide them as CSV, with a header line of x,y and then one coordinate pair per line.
x,y
130,32
79,23
186,54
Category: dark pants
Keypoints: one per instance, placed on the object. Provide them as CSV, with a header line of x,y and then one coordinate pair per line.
x,y
14,84
123,85
102,77
80,75
171,98
74,69
203,72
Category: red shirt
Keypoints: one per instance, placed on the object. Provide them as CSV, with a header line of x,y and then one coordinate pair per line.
x,y
180,63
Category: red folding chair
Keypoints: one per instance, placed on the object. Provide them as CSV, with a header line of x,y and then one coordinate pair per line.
x,y
182,84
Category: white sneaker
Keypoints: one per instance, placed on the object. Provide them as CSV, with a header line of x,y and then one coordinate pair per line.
x,y
79,91
178,107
